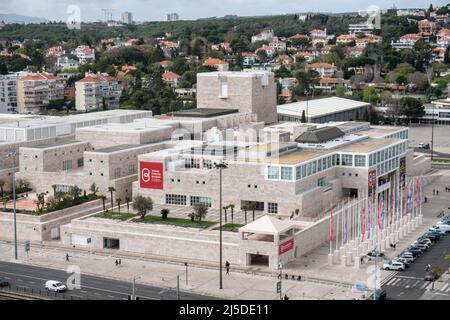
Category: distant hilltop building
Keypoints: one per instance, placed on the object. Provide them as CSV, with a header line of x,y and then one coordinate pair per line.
x,y
127,17
173,17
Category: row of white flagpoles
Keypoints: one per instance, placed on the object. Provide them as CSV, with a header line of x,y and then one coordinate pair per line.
x,y
368,218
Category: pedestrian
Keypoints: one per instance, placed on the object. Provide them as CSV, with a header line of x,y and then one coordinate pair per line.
x,y
117,262
426,199
67,257
437,192
120,261
434,192
299,278
227,267
286,297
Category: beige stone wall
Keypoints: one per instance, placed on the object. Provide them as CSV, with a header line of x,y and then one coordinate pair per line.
x,y
188,243
244,93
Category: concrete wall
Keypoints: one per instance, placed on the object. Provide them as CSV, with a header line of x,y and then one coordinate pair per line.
x,y
178,242
39,228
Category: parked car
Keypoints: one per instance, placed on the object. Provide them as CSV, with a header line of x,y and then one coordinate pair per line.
x,y
413,252
56,286
407,257
430,276
443,222
424,241
443,229
416,248
394,266
375,254
424,145
3,282
403,260
432,236
379,294
421,246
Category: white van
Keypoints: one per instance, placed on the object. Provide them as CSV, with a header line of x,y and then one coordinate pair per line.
x,y
442,228
56,286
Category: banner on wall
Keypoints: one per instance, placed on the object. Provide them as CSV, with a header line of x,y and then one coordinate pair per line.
x,y
151,175
285,247
372,181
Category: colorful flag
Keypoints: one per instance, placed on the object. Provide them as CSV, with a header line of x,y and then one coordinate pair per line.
x,y
363,223
392,208
416,193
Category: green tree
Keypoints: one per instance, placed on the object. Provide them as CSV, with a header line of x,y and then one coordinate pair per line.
x,y
164,213
93,188
200,211
411,108
142,205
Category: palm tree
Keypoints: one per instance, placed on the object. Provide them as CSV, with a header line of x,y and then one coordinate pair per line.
x,y
252,206
104,205
232,212
112,190
245,208
127,199
118,200
2,184
225,208
93,189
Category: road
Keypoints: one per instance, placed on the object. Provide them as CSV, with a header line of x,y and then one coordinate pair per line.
x,y
92,288
410,285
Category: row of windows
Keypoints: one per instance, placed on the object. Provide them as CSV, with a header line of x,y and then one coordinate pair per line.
x,y
272,207
205,200
399,135
386,154
387,166
195,163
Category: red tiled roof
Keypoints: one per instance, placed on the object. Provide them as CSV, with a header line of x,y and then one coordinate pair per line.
x,y
170,75
321,65
213,62
299,36
97,78
332,80
38,77
248,54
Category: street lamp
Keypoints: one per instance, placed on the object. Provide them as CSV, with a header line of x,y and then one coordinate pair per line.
x,y
13,155
221,165
432,130
133,296
186,265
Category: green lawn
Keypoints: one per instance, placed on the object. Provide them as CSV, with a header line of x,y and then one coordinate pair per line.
x,y
116,216
179,222
441,160
231,227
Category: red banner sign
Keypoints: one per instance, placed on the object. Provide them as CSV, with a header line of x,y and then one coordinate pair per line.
x,y
285,247
151,175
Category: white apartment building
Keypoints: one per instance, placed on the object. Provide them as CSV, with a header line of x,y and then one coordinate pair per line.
x,y
127,17
406,41
64,63
97,91
36,90
265,35
85,54
8,92
356,29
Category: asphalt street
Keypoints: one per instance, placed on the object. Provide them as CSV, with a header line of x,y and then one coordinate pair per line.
x,y
410,284
92,288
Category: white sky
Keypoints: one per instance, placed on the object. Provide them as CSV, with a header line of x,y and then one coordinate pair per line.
x,y
150,10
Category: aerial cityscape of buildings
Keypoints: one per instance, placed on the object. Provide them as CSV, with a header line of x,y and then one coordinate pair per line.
x,y
302,150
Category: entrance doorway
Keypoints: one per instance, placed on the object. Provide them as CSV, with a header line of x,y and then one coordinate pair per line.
x,y
350,192
258,260
109,243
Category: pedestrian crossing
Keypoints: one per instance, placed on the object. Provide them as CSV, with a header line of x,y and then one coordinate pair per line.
x,y
414,283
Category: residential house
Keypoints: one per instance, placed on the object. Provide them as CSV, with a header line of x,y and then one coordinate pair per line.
x,y
304,56
265,35
427,26
278,45
443,38
85,54
324,69
219,64
330,84
170,79
64,63
248,58
406,41
345,39
55,51
268,49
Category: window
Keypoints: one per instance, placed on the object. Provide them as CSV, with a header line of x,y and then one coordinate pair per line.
x,y
286,173
223,89
314,167
298,172
63,188
319,165
272,207
273,173
132,169
360,161
80,162
207,164
308,169
205,200
321,181
67,164
347,160
176,199
117,173
192,163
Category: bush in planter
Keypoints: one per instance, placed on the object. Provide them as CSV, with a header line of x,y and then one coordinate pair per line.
x,y
164,213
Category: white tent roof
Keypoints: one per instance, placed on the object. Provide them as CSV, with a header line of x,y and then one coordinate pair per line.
x,y
267,225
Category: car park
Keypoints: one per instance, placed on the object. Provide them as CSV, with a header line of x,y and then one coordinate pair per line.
x,y
56,286
394,266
